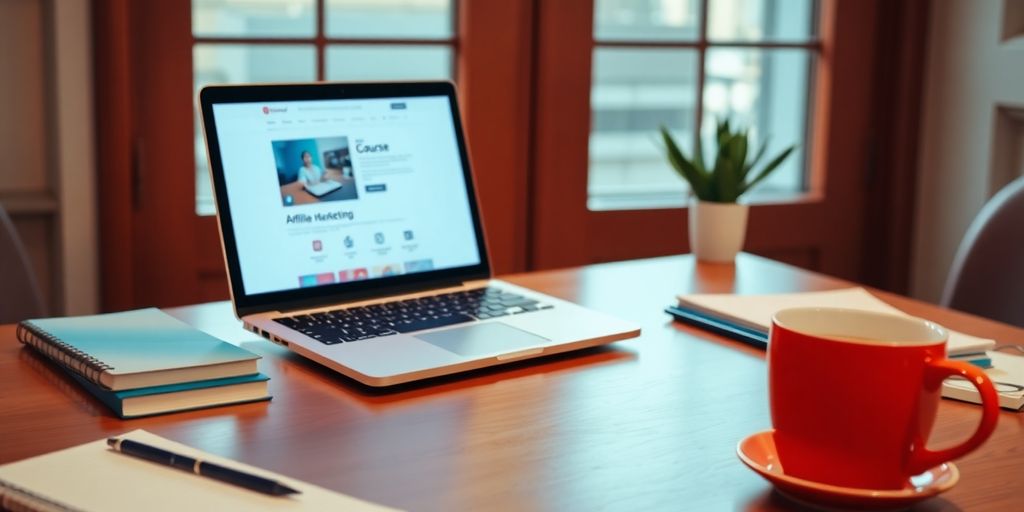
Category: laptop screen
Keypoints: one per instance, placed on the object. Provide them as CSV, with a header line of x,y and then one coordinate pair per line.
x,y
333,192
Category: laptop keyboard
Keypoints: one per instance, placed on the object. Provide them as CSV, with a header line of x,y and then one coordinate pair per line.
x,y
365,322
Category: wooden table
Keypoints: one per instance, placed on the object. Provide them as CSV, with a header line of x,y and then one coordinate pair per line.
x,y
649,423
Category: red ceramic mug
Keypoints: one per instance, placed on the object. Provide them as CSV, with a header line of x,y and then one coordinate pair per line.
x,y
854,394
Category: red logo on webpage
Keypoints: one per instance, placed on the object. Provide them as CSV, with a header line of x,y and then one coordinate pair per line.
x,y
266,110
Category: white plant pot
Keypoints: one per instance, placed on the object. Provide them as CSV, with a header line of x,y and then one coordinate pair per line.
x,y
717,230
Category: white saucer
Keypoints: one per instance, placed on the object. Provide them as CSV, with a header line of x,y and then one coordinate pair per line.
x,y
758,452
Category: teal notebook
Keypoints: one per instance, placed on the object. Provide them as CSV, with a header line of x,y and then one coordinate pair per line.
x,y
135,349
133,403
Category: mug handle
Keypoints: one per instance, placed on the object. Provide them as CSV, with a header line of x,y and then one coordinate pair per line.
x,y
923,459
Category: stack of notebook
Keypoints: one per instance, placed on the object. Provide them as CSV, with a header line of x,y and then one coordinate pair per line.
x,y
747,318
147,362
752,314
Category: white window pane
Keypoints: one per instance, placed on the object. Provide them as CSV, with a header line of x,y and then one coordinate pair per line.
x,y
415,19
389,62
761,20
253,18
634,92
240,63
249,63
646,20
767,91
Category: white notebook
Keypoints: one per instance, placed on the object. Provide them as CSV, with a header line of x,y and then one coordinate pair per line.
x,y
1007,373
93,477
756,311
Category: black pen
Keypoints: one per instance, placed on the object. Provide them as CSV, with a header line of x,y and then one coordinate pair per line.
x,y
199,467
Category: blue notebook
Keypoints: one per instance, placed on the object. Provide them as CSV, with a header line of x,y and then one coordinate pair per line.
x,y
135,349
186,396
719,325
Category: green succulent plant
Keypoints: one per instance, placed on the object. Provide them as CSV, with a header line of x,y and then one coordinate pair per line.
x,y
733,173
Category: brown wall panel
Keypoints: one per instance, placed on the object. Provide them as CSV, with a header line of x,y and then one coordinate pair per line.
x,y
494,84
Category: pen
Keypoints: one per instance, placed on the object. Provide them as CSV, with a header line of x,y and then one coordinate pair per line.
x,y
199,467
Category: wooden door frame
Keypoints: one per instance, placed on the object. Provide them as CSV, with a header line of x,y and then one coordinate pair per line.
x,y
114,128
145,244
495,56
155,251
892,180
133,200
805,232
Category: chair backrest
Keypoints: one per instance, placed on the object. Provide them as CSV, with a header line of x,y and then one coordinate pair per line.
x,y
20,297
987,276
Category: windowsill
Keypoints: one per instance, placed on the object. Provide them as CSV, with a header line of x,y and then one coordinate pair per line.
x,y
675,200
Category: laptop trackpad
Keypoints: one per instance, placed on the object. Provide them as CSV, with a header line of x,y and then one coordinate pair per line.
x,y
489,338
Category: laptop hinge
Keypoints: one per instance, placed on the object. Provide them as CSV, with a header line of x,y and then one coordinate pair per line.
x,y
319,302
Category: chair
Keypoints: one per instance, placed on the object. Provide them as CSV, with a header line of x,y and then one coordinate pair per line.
x,y
20,297
987,276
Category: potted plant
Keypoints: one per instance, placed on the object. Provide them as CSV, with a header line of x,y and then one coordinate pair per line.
x,y
717,222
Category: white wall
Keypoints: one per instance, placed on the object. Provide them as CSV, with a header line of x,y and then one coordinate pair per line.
x,y
972,127
74,155
47,173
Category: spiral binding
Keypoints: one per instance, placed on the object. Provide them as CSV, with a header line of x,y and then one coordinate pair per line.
x,y
19,499
63,354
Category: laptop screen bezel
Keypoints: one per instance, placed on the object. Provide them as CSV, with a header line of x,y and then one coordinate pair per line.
x,y
318,296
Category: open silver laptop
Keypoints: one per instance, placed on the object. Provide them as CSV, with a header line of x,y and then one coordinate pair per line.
x,y
387,279
323,188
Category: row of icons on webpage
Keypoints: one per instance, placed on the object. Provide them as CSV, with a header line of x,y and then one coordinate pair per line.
x,y
361,273
378,238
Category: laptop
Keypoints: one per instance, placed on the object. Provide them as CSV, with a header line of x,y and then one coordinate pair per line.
x,y
390,282
323,188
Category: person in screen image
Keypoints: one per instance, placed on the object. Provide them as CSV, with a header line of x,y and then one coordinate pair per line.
x,y
310,173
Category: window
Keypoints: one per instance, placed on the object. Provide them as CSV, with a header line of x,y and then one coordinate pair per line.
x,y
246,41
683,64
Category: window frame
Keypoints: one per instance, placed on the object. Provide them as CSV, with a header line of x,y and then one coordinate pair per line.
x,y
320,42
156,251
700,46
566,233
